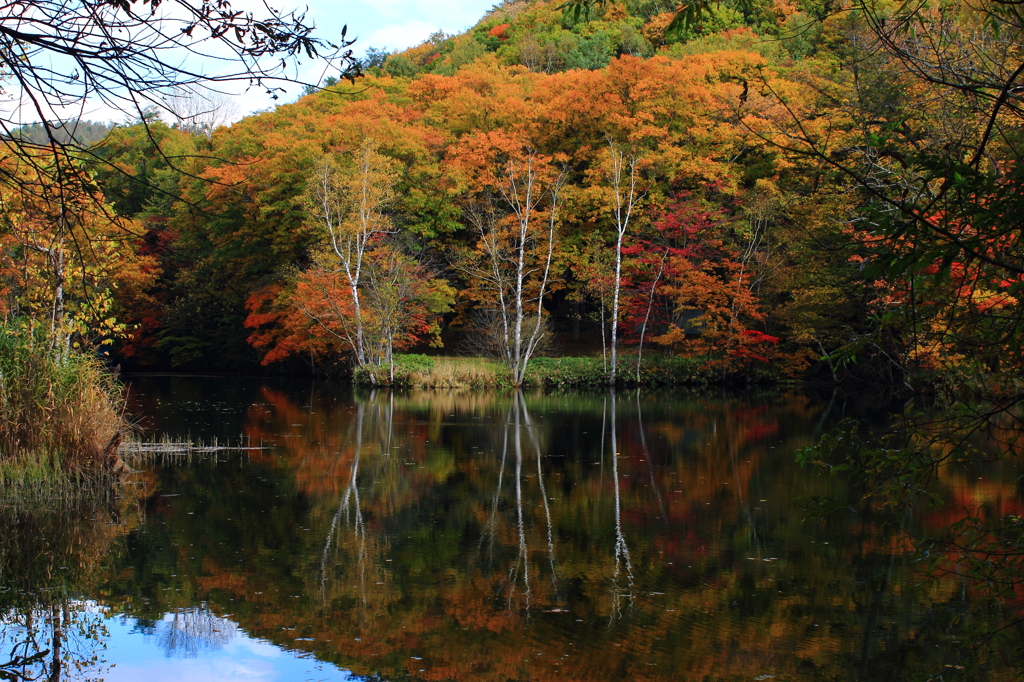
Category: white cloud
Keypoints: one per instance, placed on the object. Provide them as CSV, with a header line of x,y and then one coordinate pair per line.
x,y
136,656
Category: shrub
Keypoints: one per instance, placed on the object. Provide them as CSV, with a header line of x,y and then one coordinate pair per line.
x,y
589,373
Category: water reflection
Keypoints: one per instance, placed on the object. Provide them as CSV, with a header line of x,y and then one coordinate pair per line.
x,y
352,557
54,642
515,536
50,553
622,563
190,632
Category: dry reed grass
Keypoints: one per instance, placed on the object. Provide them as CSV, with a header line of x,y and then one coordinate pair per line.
x,y
435,405
460,373
57,414
165,450
421,371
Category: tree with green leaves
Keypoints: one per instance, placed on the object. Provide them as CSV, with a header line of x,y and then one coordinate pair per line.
x,y
135,57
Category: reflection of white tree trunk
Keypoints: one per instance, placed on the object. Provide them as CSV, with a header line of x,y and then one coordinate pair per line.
x,y
523,558
352,497
351,494
647,457
492,523
389,422
352,559
518,421
622,562
57,618
540,480
54,641
604,430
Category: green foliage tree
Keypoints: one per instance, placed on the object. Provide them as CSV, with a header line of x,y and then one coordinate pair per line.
x,y
61,56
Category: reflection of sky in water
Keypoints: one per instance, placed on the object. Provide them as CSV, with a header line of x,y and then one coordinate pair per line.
x,y
188,632
196,646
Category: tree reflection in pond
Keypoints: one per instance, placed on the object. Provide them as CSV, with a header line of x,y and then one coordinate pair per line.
x,y
622,562
51,551
60,641
512,536
191,632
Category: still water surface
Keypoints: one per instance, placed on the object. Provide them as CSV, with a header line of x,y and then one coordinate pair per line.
x,y
481,536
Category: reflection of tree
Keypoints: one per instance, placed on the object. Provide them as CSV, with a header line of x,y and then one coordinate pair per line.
x,y
186,633
490,529
517,426
522,562
540,482
428,522
50,552
57,641
622,561
352,553
343,508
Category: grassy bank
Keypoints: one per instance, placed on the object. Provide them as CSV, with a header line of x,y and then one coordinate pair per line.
x,y
57,414
582,373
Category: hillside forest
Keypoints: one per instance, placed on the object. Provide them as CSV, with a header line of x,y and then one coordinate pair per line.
x,y
786,187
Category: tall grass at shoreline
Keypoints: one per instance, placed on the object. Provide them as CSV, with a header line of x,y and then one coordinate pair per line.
x,y
422,371
57,414
579,373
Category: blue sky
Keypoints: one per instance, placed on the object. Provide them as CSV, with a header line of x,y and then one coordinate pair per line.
x,y
383,24
239,658
396,24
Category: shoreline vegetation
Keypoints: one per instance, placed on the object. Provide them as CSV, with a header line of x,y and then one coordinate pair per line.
x,y
639,190
742,194
64,431
63,421
61,416
558,373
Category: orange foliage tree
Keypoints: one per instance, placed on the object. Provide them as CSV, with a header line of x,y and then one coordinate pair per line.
x,y
512,200
492,165
63,253
361,296
691,286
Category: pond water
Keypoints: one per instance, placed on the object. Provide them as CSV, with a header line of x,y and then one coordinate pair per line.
x,y
482,536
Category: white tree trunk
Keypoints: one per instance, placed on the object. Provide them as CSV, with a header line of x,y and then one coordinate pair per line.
x,y
625,196
351,211
511,272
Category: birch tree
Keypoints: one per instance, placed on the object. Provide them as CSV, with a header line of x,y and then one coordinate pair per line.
x,y
406,299
351,209
625,194
362,291
514,214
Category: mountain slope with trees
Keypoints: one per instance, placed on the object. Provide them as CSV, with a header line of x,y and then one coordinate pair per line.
x,y
748,188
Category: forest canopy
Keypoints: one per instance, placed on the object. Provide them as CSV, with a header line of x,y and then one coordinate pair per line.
x,y
801,187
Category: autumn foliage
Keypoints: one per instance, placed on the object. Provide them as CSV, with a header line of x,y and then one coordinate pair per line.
x,y
477,173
